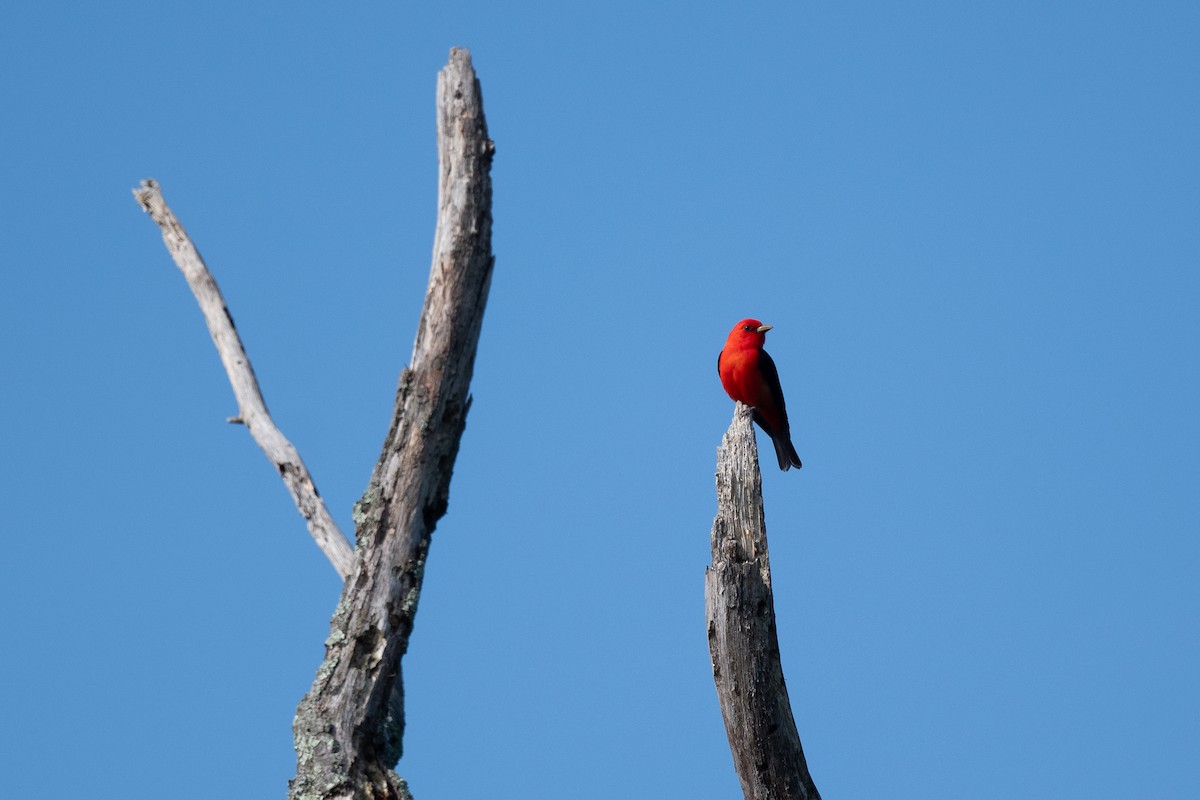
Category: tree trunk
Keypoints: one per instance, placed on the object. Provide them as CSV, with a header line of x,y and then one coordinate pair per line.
x,y
741,630
348,727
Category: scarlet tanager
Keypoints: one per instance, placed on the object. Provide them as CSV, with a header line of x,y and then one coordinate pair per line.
x,y
749,376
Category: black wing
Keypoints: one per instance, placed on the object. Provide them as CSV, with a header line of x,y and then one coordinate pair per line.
x,y
785,451
771,375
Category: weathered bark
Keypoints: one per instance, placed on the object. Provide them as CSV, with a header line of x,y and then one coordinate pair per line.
x,y
741,630
348,728
252,409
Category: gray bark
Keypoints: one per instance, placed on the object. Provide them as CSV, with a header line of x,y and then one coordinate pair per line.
x,y
252,409
348,728
742,639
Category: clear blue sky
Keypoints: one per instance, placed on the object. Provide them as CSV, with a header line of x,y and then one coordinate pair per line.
x,y
974,226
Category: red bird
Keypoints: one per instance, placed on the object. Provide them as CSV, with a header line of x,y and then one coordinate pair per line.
x,y
749,376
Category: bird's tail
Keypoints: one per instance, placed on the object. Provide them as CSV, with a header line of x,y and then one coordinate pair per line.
x,y
785,451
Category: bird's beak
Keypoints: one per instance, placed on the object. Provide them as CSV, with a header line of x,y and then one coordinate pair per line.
x,y
764,328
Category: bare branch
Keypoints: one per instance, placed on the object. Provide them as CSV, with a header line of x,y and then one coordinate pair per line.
x,y
349,726
741,630
252,411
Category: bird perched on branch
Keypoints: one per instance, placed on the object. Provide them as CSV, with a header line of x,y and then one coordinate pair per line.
x,y
749,376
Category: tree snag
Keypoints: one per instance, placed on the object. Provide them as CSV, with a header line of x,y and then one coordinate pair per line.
x,y
348,728
741,630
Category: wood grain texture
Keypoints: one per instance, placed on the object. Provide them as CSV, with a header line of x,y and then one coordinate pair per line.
x,y
742,640
349,727
252,409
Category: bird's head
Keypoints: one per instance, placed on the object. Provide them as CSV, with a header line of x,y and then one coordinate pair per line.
x,y
749,333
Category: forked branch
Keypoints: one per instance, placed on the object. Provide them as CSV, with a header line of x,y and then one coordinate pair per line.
x,y
252,410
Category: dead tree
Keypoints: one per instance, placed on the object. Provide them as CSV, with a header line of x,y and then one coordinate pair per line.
x,y
741,630
348,728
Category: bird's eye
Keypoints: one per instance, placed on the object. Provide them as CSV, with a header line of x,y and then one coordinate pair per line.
x,y
747,327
